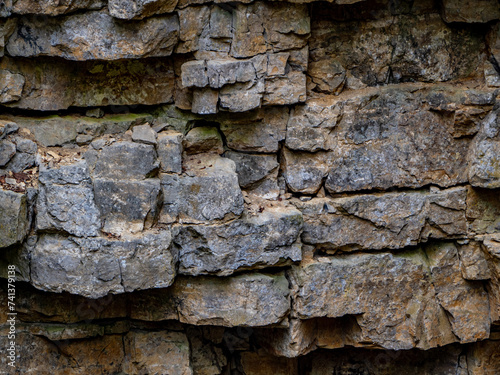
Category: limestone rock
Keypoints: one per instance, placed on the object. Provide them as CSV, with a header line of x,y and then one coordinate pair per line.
x,y
401,312
378,221
256,131
207,359
14,219
157,353
125,160
483,154
94,36
207,191
388,130
242,97
481,11
7,151
400,48
482,357
473,262
290,89
255,363
483,211
92,83
144,134
66,201
264,240
252,168
134,9
127,206
170,151
305,172
203,139
94,267
470,319
205,101
11,86
7,127
52,8
232,301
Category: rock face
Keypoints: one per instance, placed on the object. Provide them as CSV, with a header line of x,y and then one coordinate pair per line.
x,y
195,187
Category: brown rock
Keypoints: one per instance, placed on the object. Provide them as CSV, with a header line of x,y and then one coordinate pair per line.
x,y
260,363
203,139
51,8
138,9
477,11
11,86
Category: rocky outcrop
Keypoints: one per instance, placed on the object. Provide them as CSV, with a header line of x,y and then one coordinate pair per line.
x,y
253,187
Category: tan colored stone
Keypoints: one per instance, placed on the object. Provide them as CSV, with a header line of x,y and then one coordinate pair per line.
x,y
157,353
138,9
259,363
305,172
54,8
11,86
483,358
476,11
473,262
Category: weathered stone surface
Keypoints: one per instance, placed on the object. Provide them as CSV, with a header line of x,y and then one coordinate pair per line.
x,y
483,358
391,297
14,217
93,83
208,190
133,9
264,240
478,11
388,130
378,221
144,134
66,201
7,151
7,127
205,101
95,267
491,246
11,86
327,76
127,206
54,8
257,131
157,353
470,320
473,262
483,211
206,358
232,301
400,48
94,36
170,151
125,160
203,139
484,170
290,89
242,97
305,172
310,126
252,168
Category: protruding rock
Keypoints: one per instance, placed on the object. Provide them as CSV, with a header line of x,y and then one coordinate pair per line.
x,y
203,139
265,240
66,201
52,8
94,267
11,86
94,36
14,217
209,190
391,220
144,134
134,9
170,151
478,11
7,151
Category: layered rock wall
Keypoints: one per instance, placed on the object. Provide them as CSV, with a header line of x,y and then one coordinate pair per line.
x,y
254,187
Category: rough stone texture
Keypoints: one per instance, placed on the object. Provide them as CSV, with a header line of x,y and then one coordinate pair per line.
x,y
157,353
235,301
54,8
66,201
264,240
208,190
484,168
170,151
11,86
96,267
378,221
14,218
203,139
94,36
92,83
144,134
133,9
391,297
470,11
